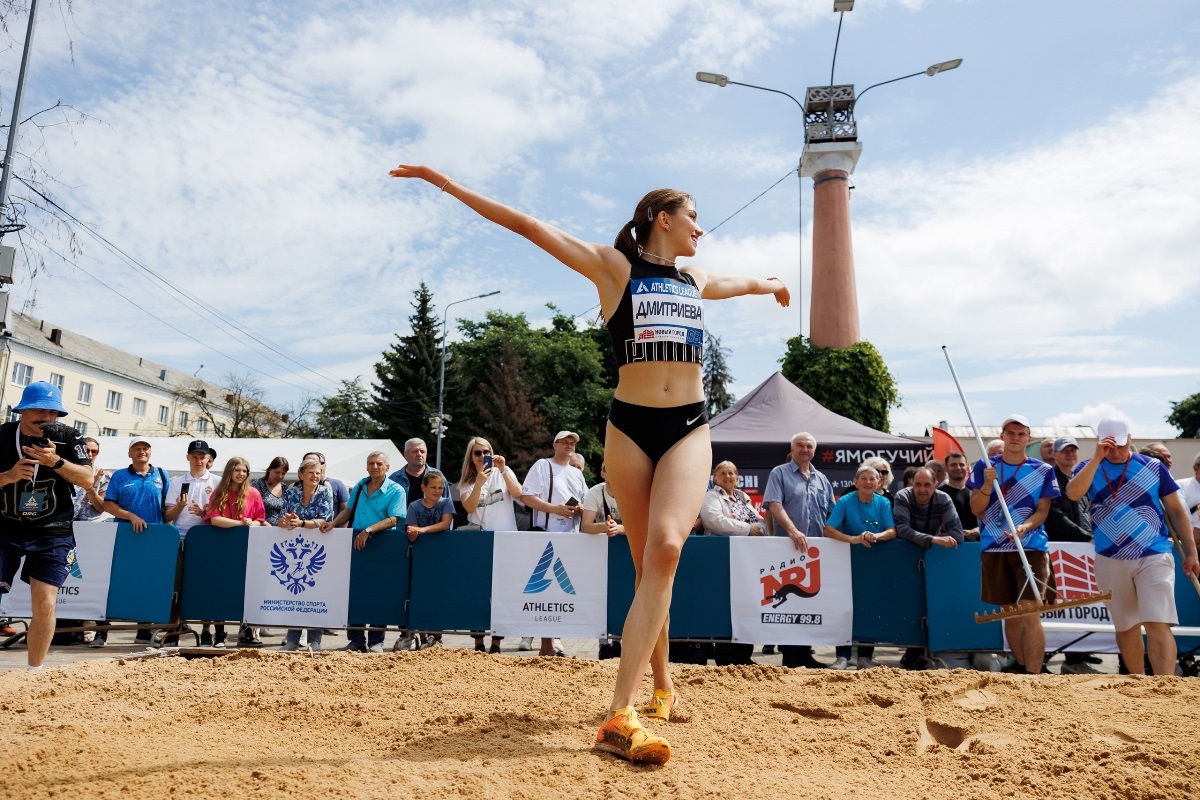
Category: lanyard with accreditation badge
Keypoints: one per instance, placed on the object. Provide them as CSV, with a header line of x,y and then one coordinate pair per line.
x,y
32,503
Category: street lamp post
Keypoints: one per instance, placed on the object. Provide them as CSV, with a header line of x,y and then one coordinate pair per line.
x,y
831,150
440,420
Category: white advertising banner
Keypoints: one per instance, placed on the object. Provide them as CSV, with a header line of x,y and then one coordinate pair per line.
x,y
84,595
780,595
1074,566
550,584
298,579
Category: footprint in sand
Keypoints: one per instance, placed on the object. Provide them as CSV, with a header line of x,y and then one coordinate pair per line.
x,y
975,699
1115,737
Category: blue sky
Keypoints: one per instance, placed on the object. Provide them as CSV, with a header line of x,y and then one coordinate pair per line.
x,y
1037,210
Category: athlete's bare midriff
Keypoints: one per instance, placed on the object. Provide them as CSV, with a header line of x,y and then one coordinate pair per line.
x,y
660,384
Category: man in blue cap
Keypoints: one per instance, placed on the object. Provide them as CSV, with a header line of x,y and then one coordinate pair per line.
x,y
39,470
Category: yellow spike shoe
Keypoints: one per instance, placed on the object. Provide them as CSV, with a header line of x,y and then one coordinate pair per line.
x,y
660,705
625,735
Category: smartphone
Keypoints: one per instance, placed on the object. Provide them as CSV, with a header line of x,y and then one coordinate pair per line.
x,y
487,461
183,489
572,502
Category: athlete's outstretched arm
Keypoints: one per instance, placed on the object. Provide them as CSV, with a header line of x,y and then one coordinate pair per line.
x,y
593,261
715,286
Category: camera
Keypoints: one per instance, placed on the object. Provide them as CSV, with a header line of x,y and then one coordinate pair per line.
x,y
53,433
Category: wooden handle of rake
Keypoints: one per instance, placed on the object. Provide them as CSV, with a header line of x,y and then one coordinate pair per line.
x,y
1033,584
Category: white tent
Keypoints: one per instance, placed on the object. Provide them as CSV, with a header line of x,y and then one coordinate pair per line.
x,y
345,459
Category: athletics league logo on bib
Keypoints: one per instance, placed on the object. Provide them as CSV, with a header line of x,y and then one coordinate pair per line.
x,y
782,595
297,582
549,584
666,314
295,564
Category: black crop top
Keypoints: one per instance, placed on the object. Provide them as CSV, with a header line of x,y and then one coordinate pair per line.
x,y
660,316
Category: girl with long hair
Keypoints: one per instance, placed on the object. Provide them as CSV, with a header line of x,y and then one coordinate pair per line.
x,y
657,429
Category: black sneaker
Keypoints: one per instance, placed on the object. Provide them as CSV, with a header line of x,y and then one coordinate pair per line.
x,y
206,639
606,652
219,640
246,637
768,650
808,662
494,649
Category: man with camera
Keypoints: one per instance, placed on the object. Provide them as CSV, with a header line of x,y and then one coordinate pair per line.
x,y
42,462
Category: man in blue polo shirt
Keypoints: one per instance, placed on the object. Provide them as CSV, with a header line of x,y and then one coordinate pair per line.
x,y
376,504
136,494
1028,486
1129,495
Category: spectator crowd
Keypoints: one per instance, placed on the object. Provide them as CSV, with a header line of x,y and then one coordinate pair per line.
x,y
1125,502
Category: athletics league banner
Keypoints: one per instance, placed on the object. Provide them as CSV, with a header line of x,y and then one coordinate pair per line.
x,y
298,579
550,584
84,595
780,595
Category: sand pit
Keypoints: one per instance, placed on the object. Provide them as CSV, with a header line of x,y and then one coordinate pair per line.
x,y
455,723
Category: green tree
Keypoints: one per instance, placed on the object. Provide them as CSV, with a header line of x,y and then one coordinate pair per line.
x,y
505,410
406,387
1185,415
345,414
564,369
716,375
851,381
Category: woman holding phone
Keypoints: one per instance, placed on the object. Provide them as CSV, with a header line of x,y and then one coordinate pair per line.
x,y
657,429
487,487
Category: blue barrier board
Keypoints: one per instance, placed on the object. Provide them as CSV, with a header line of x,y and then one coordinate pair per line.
x,y
379,581
214,573
952,585
452,581
142,586
889,593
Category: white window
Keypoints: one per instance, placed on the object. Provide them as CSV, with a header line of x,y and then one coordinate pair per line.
x,y
113,403
22,374
139,407
108,431
202,425
13,416
85,393
164,415
183,420
81,427
57,380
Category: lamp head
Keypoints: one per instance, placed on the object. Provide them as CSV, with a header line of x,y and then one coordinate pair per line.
x,y
843,5
944,66
712,77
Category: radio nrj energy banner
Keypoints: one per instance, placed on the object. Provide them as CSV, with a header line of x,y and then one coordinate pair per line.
x,y
298,579
84,595
781,595
549,584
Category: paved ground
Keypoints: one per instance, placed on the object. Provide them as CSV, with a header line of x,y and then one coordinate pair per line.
x,y
121,644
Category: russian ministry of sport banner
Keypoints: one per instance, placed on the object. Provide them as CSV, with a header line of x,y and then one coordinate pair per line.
x,y
781,595
84,595
550,584
1074,566
298,579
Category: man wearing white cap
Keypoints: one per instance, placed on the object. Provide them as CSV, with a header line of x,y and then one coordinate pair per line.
x,y
1129,495
554,491
1028,486
42,462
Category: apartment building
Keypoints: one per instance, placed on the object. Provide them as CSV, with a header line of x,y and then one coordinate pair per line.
x,y
109,392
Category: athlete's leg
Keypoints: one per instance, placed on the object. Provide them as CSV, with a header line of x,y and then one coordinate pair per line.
x,y
41,626
676,492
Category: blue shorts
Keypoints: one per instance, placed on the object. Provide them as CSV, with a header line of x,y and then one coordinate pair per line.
x,y
45,559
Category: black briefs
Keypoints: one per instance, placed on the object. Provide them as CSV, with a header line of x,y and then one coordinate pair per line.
x,y
656,430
